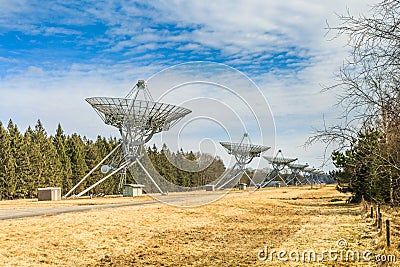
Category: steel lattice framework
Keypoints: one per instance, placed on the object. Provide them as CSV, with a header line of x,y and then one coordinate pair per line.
x,y
295,176
244,153
314,175
278,164
137,121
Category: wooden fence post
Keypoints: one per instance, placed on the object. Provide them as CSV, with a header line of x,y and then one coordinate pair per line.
x,y
378,213
387,233
379,221
363,204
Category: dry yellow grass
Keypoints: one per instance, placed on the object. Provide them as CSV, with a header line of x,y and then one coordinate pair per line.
x,y
228,232
380,243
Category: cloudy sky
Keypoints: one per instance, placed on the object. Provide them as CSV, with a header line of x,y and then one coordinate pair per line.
x,y
274,56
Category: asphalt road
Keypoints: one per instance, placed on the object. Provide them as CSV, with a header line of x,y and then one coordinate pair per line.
x,y
187,200
22,213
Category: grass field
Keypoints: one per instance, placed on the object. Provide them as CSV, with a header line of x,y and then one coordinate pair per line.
x,y
228,232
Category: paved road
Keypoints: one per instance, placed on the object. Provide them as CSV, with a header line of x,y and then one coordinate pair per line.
x,y
177,200
22,213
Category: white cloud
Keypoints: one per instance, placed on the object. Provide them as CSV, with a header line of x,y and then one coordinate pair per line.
x,y
242,32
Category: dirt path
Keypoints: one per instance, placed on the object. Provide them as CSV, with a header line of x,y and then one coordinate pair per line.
x,y
228,232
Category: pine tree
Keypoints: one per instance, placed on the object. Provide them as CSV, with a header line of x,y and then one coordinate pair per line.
x,y
92,158
35,165
59,142
103,146
192,174
76,153
7,166
47,162
53,166
19,151
163,166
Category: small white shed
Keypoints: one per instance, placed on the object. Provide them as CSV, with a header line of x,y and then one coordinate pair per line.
x,y
210,187
132,190
242,186
49,193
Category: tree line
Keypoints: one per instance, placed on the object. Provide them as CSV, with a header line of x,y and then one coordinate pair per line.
x,y
367,136
34,159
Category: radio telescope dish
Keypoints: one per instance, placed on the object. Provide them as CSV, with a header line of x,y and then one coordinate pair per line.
x,y
244,154
145,116
279,161
137,121
278,164
244,150
295,177
312,175
298,166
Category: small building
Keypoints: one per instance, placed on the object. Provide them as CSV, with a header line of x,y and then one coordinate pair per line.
x,y
49,193
210,187
132,190
242,186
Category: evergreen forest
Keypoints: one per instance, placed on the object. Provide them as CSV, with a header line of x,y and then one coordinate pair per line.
x,y
33,159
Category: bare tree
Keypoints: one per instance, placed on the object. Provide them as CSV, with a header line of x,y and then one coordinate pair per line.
x,y
369,86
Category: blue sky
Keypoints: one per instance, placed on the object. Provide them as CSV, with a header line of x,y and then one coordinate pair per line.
x,y
54,54
58,34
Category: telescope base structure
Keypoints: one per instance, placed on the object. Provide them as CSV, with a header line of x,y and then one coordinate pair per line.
x,y
294,179
278,165
120,168
273,176
314,176
232,178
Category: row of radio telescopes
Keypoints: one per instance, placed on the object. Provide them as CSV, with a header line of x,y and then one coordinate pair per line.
x,y
138,117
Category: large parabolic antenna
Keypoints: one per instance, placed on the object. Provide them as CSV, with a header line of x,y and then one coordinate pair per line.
x,y
137,121
279,162
244,153
295,177
314,175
